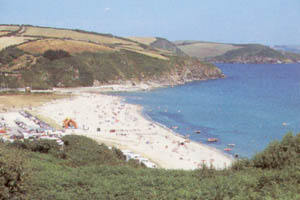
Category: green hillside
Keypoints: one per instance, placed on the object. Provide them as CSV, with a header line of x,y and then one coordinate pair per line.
x,y
234,53
44,57
251,53
203,50
85,170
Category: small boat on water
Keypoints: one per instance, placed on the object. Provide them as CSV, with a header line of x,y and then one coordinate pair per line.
x,y
212,139
227,149
231,145
197,131
174,127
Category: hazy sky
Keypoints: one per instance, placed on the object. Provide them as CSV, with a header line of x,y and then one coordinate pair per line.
x,y
229,21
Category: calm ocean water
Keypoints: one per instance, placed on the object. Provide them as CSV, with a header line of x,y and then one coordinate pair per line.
x,y
253,106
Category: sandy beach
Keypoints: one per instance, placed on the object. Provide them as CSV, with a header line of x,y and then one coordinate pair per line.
x,y
109,120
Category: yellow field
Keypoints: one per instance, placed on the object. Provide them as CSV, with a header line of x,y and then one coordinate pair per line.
x,y
4,32
143,40
166,52
71,46
148,41
203,50
13,40
8,28
149,53
16,101
133,47
73,42
59,33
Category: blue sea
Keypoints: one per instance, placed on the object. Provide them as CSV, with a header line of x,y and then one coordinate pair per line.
x,y
253,106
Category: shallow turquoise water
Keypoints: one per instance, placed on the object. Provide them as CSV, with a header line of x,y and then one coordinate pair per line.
x,y
248,108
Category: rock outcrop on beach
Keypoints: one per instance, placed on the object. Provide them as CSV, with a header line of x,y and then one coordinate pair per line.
x,y
43,58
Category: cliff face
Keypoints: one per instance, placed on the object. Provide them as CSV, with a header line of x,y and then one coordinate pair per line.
x,y
188,70
196,70
181,70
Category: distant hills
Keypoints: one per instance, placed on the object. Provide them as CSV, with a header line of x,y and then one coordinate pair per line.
x,y
44,57
160,43
236,53
288,48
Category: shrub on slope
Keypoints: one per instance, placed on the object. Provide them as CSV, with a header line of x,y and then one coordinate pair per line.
x,y
90,171
13,173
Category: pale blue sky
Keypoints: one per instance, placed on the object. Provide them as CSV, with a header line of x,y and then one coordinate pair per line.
x,y
229,21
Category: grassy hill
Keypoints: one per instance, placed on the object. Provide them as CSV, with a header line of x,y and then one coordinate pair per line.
x,y
81,58
204,50
252,53
160,44
85,170
235,53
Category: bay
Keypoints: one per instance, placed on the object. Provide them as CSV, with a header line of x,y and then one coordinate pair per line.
x,y
254,105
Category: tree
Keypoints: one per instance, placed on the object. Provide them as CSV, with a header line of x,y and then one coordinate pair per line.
x,y
56,54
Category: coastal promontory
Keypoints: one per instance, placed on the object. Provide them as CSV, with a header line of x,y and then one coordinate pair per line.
x,y
237,53
43,58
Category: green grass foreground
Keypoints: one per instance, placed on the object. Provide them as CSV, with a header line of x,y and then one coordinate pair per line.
x,y
86,170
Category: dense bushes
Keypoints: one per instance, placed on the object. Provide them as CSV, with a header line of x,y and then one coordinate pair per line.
x,y
9,54
37,78
13,173
92,171
56,54
58,68
41,146
278,155
77,151
115,66
82,151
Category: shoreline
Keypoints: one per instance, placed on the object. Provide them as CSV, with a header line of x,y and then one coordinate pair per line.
x,y
124,126
143,114
129,87
147,117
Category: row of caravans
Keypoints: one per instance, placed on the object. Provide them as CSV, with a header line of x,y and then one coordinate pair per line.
x,y
130,155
